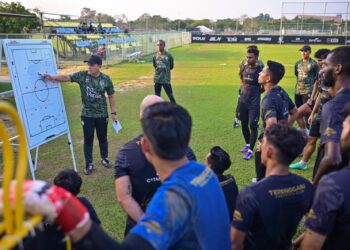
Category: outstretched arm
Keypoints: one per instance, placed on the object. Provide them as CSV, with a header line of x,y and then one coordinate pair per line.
x,y
59,78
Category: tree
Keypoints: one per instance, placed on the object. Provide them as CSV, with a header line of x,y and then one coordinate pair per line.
x,y
87,14
104,18
17,24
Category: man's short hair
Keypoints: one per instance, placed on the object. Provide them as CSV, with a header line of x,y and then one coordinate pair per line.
x,y
288,141
69,180
162,42
168,128
253,46
253,51
321,53
219,160
276,71
341,56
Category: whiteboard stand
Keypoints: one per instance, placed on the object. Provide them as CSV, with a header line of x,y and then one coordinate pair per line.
x,y
39,103
33,165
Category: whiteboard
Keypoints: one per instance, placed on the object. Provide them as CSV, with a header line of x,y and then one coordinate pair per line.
x,y
39,103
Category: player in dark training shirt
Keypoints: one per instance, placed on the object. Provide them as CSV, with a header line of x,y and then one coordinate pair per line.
x,y
328,222
250,102
268,212
219,161
242,64
276,105
337,75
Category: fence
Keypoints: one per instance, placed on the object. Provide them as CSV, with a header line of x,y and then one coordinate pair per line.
x,y
72,49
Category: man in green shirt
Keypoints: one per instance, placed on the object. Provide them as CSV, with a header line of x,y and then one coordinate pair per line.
x,y
163,63
93,86
306,70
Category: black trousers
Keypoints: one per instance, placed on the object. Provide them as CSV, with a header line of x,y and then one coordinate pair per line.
x,y
249,115
238,103
89,125
168,90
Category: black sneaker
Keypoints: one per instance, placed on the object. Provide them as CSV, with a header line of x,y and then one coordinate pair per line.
x,y
89,169
105,163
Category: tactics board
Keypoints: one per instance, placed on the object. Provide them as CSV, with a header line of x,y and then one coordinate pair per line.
x,y
39,103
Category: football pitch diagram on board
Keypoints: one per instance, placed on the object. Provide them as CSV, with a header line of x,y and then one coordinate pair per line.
x,y
40,103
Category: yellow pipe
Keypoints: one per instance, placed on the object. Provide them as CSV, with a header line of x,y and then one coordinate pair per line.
x,y
11,241
8,174
21,163
68,244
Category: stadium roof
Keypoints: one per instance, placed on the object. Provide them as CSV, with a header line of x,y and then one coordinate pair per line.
x,y
72,24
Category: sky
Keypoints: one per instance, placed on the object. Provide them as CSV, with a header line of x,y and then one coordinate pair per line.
x,y
180,9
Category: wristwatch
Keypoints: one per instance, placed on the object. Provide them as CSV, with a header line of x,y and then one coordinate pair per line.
x,y
113,113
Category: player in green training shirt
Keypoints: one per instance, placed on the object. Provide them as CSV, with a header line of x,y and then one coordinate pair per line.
x,y
163,63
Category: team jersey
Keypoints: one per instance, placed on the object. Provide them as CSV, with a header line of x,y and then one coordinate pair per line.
x,y
244,63
332,117
230,189
93,91
330,213
306,74
276,103
163,64
188,211
250,89
270,210
131,161
323,92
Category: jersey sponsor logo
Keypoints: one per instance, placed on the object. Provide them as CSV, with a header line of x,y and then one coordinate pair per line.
x,y
311,215
202,179
92,93
329,132
152,179
285,192
237,216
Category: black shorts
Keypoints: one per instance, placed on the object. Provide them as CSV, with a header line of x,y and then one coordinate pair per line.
x,y
300,99
315,128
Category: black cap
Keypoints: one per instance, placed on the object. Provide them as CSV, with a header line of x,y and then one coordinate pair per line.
x,y
305,48
277,70
94,60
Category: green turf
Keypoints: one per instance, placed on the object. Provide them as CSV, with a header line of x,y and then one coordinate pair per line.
x,y
205,81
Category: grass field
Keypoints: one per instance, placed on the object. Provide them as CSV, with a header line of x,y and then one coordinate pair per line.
x,y
205,81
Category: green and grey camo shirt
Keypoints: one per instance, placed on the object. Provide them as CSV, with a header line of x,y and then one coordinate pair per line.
x,y
163,64
92,91
306,74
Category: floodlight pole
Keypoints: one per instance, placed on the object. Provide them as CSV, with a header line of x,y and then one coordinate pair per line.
x,y
346,23
302,19
281,23
324,15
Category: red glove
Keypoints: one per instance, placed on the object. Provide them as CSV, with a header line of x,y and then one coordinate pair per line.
x,y
53,202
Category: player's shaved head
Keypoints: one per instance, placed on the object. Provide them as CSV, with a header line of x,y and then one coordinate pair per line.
x,y
148,101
